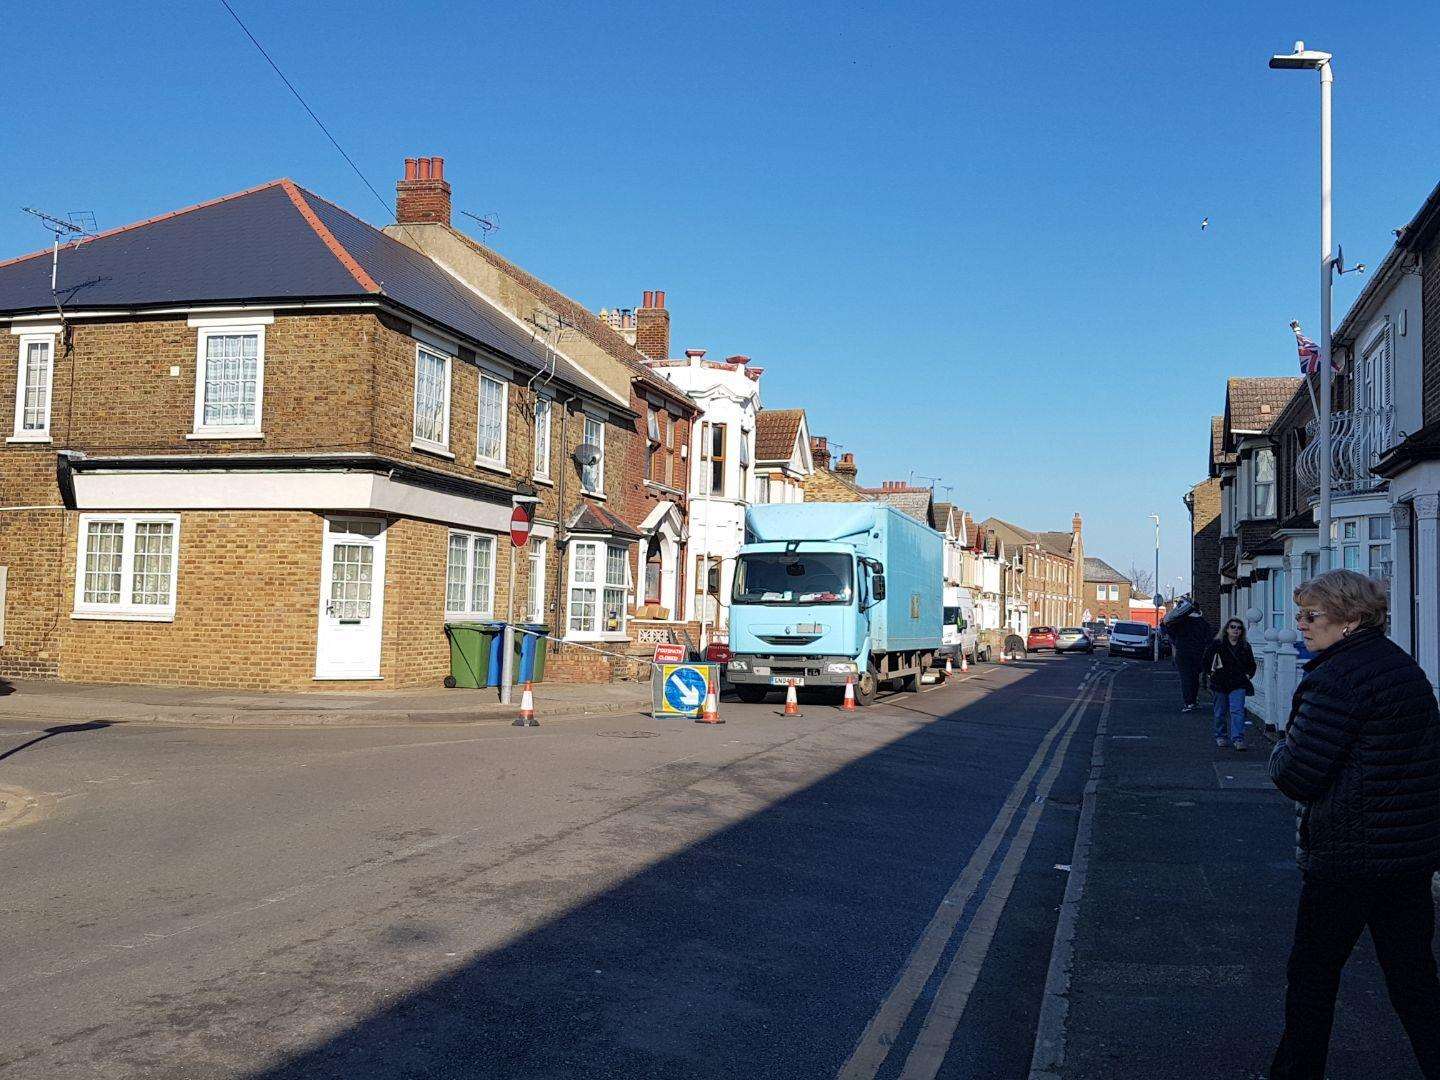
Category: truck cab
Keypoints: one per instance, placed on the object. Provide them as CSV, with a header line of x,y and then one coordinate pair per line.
x,y
959,638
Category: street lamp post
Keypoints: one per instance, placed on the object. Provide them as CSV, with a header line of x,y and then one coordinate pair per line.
x,y
1311,60
1156,519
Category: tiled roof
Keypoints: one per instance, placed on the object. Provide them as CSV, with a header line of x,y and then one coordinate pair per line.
x,y
594,328
592,518
775,433
1253,404
273,243
1218,456
1013,535
1100,570
1057,543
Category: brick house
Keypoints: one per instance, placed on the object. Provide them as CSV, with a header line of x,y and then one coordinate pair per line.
x,y
1203,504
783,460
833,481
1107,591
261,444
652,500
1052,570
918,502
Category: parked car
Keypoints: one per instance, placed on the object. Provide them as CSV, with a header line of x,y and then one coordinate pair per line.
x,y
1074,639
1099,631
1131,639
1041,637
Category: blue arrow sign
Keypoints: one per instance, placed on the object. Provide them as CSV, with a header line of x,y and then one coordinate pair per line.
x,y
685,689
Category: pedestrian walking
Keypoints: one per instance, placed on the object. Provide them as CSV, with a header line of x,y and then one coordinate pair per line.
x,y
1191,633
1361,758
1230,664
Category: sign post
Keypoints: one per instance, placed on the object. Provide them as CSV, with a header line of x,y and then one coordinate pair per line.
x,y
520,525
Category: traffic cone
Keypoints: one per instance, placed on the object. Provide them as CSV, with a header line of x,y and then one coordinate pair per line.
x,y
949,666
710,714
527,709
792,703
848,704
964,662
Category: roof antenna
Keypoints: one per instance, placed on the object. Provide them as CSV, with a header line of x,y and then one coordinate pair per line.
x,y
70,229
489,223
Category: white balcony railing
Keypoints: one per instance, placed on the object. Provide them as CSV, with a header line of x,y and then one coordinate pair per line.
x,y
1357,439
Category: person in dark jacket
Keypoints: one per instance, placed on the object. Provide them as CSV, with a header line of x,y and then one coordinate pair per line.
x,y
1190,631
1361,758
1230,663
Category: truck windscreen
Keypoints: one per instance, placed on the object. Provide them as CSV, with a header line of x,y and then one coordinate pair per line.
x,y
792,578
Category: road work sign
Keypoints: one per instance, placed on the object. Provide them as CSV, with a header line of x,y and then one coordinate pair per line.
x,y
680,689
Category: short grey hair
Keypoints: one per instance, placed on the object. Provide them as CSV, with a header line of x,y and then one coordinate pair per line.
x,y
1346,596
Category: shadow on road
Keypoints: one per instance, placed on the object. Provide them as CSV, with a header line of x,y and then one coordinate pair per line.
x,y
51,732
6,687
759,951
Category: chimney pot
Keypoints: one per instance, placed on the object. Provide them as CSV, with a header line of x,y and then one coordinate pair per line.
x,y
437,168
411,172
648,300
423,196
660,298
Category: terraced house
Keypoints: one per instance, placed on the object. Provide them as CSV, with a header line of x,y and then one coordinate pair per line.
x,y
259,443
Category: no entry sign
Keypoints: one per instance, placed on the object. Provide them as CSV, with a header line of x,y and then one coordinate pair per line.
x,y
520,527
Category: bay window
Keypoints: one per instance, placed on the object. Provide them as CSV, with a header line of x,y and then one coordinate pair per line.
x,y
126,566
470,576
598,580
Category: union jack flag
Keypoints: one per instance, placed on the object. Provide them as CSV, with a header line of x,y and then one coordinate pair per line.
x,y
1309,354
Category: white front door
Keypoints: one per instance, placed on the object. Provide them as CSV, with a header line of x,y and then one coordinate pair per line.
x,y
352,595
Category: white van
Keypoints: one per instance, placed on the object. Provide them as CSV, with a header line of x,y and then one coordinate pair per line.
x,y
958,636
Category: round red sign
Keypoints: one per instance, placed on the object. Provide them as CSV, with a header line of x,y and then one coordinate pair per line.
x,y
520,527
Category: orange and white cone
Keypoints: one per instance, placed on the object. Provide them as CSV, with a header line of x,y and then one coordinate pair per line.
x,y
792,703
949,666
964,662
848,704
527,709
710,714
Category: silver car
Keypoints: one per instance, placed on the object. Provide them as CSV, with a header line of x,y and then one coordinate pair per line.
x,y
1074,639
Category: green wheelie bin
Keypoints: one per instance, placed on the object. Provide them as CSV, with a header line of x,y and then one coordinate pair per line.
x,y
470,646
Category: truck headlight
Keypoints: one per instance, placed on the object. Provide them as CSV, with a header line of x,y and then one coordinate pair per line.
x,y
846,667
739,665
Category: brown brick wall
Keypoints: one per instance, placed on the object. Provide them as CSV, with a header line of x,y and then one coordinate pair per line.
x,y
1106,609
822,485
1205,547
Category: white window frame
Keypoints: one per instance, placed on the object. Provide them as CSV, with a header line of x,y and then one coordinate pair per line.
x,y
542,440
21,433
471,610
600,462
1257,509
125,609
597,584
497,461
223,328
535,600
416,442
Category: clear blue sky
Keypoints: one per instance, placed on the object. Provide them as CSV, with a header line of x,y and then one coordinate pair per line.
x,y
965,239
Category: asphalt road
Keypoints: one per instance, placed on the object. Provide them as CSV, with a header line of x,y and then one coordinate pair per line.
x,y
861,895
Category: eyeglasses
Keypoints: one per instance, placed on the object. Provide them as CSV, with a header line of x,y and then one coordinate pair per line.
x,y
1234,626
1308,617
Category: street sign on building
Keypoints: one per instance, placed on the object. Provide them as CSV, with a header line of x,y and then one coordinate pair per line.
x,y
520,526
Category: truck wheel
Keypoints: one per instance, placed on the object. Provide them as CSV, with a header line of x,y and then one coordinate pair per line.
x,y
865,688
909,684
752,695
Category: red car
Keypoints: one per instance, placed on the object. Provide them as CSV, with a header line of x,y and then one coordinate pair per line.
x,y
1041,637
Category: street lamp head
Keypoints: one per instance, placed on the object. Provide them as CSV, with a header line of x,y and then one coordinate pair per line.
x,y
1301,58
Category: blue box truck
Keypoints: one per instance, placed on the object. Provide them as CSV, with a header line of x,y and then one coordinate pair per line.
x,y
825,592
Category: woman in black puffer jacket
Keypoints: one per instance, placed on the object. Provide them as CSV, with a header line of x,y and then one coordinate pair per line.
x,y
1230,663
1361,758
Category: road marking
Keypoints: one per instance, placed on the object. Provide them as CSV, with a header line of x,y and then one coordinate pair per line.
x,y
943,1018
880,1033
1048,1054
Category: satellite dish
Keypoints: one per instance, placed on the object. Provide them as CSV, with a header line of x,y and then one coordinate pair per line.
x,y
586,454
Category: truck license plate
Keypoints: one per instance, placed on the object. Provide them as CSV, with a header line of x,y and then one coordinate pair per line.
x,y
784,680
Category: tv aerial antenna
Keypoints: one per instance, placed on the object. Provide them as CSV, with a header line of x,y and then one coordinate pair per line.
x,y
66,227
488,223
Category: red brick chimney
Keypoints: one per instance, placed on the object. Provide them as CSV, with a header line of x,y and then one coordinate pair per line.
x,y
820,452
1075,524
652,326
847,467
423,197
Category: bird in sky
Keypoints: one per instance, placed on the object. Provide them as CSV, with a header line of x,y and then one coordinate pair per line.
x,y
1204,224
